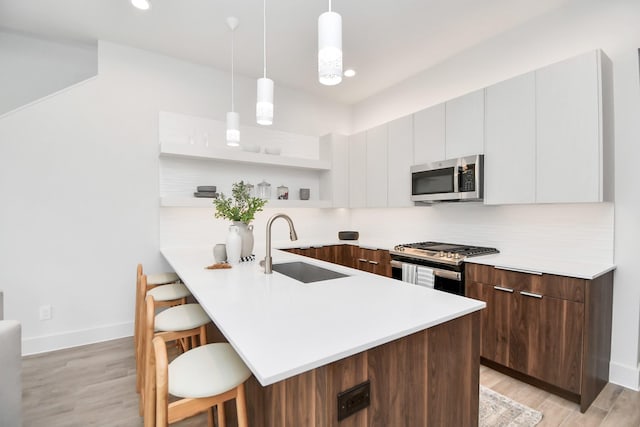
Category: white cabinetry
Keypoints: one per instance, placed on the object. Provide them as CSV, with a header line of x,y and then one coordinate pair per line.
x,y
335,148
510,144
464,127
376,174
400,159
358,170
570,131
429,135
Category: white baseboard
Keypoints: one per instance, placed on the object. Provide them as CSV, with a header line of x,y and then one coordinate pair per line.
x,y
626,376
75,338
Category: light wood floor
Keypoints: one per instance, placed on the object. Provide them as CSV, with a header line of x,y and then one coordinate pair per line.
x,y
94,385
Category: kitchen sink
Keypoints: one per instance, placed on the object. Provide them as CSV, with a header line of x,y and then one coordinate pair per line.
x,y
306,273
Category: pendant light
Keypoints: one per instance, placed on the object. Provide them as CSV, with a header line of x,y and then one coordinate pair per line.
x,y
264,104
142,4
330,48
233,118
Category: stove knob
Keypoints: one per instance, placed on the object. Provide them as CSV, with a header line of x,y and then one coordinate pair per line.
x,y
449,254
441,253
456,256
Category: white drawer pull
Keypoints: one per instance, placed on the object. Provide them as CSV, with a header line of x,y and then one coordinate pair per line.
x,y
362,260
500,288
374,262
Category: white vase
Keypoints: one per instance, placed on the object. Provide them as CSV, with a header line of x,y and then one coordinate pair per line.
x,y
234,245
246,234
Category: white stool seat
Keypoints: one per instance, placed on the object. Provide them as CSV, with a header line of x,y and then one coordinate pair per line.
x,y
161,279
169,292
206,371
181,318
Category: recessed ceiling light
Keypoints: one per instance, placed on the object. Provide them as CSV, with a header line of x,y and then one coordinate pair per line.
x,y
349,72
142,4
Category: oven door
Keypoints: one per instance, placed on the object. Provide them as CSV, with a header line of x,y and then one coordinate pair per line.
x,y
443,280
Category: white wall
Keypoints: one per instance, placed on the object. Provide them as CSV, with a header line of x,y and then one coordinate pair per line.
x,y
79,178
33,68
577,28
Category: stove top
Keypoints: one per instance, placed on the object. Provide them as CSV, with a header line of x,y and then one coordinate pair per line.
x,y
445,253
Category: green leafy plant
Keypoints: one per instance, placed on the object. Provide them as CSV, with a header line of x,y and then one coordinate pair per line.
x,y
240,206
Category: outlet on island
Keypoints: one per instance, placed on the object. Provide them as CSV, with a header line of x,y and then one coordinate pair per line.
x,y
352,400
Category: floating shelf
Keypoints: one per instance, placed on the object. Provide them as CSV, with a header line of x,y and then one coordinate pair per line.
x,y
202,202
232,155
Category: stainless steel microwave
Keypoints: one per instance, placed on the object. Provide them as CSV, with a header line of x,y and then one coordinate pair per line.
x,y
453,180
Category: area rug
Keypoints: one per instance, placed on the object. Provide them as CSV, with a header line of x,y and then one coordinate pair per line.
x,y
497,410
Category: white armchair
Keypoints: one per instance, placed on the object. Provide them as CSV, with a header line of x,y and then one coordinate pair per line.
x,y
10,372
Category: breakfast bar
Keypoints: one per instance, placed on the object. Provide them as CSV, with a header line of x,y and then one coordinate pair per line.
x,y
305,343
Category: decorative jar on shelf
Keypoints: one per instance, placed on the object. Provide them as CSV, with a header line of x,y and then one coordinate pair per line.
x,y
283,193
264,190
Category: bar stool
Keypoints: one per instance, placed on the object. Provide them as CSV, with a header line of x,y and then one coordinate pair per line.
x,y
166,291
186,324
202,378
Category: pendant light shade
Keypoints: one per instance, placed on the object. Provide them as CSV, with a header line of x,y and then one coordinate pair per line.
x,y
233,118
142,4
233,129
264,103
264,106
330,48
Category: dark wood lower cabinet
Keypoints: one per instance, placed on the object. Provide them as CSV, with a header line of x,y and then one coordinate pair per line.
x,y
377,261
429,378
544,328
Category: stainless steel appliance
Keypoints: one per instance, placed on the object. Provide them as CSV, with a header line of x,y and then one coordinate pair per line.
x,y
435,264
452,180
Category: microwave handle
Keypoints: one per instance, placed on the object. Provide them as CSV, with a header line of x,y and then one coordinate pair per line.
x,y
456,176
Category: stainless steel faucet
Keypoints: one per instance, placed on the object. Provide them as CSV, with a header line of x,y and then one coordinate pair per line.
x,y
292,234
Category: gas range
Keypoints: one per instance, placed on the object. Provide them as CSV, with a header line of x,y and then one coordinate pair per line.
x,y
441,253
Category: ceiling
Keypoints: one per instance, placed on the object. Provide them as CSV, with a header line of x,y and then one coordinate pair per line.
x,y
384,41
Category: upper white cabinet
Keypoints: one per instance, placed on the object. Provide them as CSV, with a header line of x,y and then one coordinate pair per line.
x,y
510,141
464,125
335,149
429,135
570,130
358,170
400,159
376,168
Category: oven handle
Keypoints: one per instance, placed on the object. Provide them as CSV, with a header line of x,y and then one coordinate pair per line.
x,y
445,274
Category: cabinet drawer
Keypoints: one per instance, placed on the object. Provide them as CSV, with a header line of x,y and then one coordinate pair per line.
x,y
547,285
479,273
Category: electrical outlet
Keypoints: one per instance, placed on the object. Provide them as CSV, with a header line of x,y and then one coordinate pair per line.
x,y
353,400
45,312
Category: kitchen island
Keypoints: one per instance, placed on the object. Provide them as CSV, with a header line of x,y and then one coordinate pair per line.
x,y
305,343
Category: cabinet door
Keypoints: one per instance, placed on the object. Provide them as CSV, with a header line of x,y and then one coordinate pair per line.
x,y
495,326
380,262
335,148
464,125
510,144
400,159
551,332
569,139
428,135
376,186
358,170
362,257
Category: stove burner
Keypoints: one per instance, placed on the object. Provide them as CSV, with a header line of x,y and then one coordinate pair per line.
x,y
445,253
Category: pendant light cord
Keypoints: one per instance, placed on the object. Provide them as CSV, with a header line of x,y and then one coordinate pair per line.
x,y
264,37
329,5
233,36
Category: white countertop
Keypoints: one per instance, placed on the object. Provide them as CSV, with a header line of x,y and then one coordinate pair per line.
x,y
581,270
281,327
